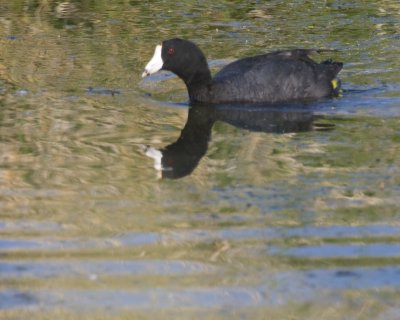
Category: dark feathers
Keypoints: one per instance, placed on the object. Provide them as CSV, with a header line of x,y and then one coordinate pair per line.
x,y
273,77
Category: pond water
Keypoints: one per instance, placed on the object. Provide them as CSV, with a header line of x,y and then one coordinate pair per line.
x,y
285,213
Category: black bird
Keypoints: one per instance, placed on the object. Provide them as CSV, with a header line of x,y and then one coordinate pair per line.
x,y
275,77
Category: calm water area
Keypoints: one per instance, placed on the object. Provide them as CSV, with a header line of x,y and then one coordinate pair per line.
x,y
290,212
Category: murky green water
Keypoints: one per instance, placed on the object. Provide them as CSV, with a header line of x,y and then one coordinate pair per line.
x,y
276,214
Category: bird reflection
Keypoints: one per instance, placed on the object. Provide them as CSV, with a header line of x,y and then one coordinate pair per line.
x,y
180,158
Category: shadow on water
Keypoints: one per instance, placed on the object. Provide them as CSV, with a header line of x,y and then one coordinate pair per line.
x,y
180,158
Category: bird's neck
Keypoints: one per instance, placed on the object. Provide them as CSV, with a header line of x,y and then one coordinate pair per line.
x,y
199,92
198,84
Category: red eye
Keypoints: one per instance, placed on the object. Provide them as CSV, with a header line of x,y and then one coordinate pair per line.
x,y
171,50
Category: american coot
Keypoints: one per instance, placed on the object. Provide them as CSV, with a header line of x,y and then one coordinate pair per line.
x,y
273,77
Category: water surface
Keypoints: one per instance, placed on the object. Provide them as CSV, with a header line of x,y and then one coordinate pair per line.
x,y
286,213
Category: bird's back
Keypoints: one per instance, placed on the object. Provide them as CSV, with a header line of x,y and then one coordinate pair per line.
x,y
274,77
